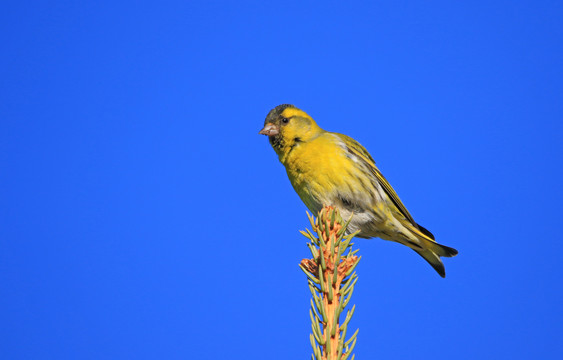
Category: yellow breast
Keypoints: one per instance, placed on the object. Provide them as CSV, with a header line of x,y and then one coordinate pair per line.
x,y
318,170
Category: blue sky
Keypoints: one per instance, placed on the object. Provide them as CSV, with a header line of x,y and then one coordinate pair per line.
x,y
142,217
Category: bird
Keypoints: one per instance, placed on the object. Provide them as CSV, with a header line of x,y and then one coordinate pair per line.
x,y
332,169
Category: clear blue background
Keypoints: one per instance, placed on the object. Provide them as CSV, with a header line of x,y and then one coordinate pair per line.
x,y
143,217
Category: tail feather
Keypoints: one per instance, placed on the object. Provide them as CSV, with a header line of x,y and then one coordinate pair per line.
x,y
425,231
443,250
428,241
432,251
433,260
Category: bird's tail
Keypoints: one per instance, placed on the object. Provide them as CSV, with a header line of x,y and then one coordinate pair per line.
x,y
432,251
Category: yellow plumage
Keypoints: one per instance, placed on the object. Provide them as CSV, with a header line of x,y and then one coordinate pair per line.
x,y
333,169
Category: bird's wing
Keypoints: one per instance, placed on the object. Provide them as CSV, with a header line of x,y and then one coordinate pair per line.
x,y
354,148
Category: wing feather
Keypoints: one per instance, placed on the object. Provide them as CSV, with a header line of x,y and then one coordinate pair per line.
x,y
354,148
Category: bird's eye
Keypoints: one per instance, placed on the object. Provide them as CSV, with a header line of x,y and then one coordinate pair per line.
x,y
285,120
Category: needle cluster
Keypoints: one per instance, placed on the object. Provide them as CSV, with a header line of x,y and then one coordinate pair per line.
x,y
331,277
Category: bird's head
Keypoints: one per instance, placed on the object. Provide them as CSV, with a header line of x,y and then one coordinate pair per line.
x,y
287,126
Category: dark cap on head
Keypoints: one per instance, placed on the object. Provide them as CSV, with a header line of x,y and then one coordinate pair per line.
x,y
276,112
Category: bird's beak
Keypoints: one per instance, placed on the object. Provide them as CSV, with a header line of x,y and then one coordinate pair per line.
x,y
270,130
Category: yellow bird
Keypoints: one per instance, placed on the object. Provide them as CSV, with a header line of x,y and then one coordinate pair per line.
x,y
327,168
